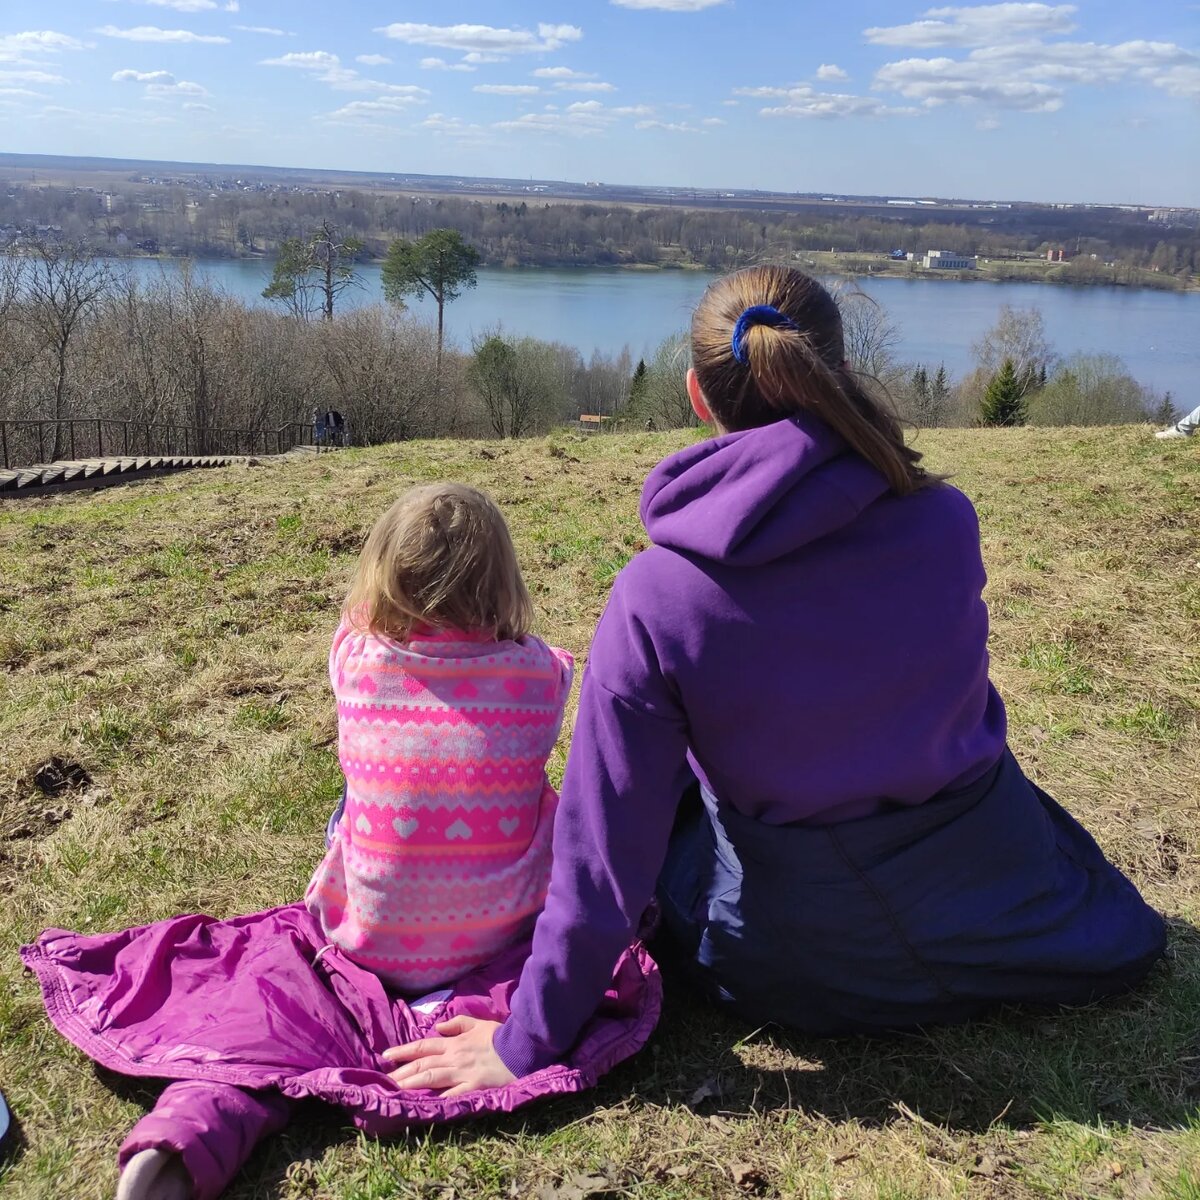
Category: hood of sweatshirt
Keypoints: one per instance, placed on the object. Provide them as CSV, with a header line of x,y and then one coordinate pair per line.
x,y
749,498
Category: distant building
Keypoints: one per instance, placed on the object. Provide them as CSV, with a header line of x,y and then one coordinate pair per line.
x,y
1058,255
947,260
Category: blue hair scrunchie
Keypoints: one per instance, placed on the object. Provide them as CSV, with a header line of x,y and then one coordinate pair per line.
x,y
757,314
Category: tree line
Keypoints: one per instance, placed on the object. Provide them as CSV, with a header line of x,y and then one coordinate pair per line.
x,y
82,338
1016,378
542,233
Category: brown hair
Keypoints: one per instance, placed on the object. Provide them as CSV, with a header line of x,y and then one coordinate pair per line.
x,y
790,370
440,556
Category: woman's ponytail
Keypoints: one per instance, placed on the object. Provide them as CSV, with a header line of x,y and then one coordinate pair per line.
x,y
767,343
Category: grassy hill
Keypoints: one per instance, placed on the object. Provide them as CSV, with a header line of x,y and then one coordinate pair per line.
x,y
170,638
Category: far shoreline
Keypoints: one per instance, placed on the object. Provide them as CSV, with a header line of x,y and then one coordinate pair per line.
x,y
822,269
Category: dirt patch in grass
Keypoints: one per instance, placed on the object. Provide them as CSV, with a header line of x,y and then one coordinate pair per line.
x,y
170,639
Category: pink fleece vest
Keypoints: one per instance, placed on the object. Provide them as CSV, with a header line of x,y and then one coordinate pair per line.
x,y
442,857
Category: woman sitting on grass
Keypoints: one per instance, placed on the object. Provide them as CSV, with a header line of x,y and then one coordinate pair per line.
x,y
436,866
787,731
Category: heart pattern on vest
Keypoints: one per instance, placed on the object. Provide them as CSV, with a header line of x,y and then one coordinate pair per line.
x,y
406,828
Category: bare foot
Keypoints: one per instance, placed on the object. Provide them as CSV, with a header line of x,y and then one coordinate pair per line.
x,y
154,1175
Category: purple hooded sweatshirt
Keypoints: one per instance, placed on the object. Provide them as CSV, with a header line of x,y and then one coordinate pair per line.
x,y
808,644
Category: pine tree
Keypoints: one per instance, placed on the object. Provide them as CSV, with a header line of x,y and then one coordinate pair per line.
x,y
441,265
939,396
1163,413
637,386
1003,402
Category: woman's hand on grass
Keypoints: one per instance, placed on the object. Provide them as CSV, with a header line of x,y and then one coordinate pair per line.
x,y
461,1060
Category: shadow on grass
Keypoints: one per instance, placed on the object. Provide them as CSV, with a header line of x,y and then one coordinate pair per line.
x,y
1134,1060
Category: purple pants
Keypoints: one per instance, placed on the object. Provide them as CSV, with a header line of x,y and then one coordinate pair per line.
x,y
213,1127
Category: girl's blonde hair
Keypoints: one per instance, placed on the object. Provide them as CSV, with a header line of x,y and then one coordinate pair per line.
x,y
442,557
792,366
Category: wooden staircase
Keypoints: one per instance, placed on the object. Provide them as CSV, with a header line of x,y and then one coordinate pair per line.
x,y
102,472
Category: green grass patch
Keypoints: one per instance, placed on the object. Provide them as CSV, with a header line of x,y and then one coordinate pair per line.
x,y
182,661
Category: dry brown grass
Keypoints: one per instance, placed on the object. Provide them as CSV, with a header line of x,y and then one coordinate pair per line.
x,y
171,638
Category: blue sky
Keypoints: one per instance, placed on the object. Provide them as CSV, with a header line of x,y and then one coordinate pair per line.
x,y
1090,101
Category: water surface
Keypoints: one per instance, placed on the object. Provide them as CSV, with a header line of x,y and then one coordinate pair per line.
x,y
1157,334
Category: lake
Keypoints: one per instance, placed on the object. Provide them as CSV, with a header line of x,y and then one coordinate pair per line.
x,y
1157,334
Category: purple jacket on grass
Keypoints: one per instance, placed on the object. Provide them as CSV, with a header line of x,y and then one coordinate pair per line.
x,y
809,644
257,1003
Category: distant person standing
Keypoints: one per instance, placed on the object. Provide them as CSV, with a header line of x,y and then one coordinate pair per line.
x,y
335,425
1184,428
319,425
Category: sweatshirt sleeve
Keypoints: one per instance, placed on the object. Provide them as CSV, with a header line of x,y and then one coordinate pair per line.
x,y
626,772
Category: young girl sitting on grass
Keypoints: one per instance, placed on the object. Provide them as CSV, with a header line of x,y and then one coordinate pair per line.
x,y
439,854
437,864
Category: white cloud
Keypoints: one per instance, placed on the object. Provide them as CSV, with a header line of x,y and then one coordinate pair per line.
x,y
130,76
1161,64
305,60
766,93
831,106
804,101
191,107
441,124
328,68
484,40
1033,76
268,30
16,47
440,64
731,103
633,110
670,5
560,73
584,118
569,85
477,56
373,110
713,121
1182,82
372,60
983,25
507,89
935,81
830,71
29,76
183,6
8,91
151,33
668,126
987,124
167,91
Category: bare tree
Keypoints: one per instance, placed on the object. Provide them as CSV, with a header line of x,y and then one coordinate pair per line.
x,y
64,284
1092,389
313,271
1020,335
381,367
663,396
15,347
871,337
190,310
